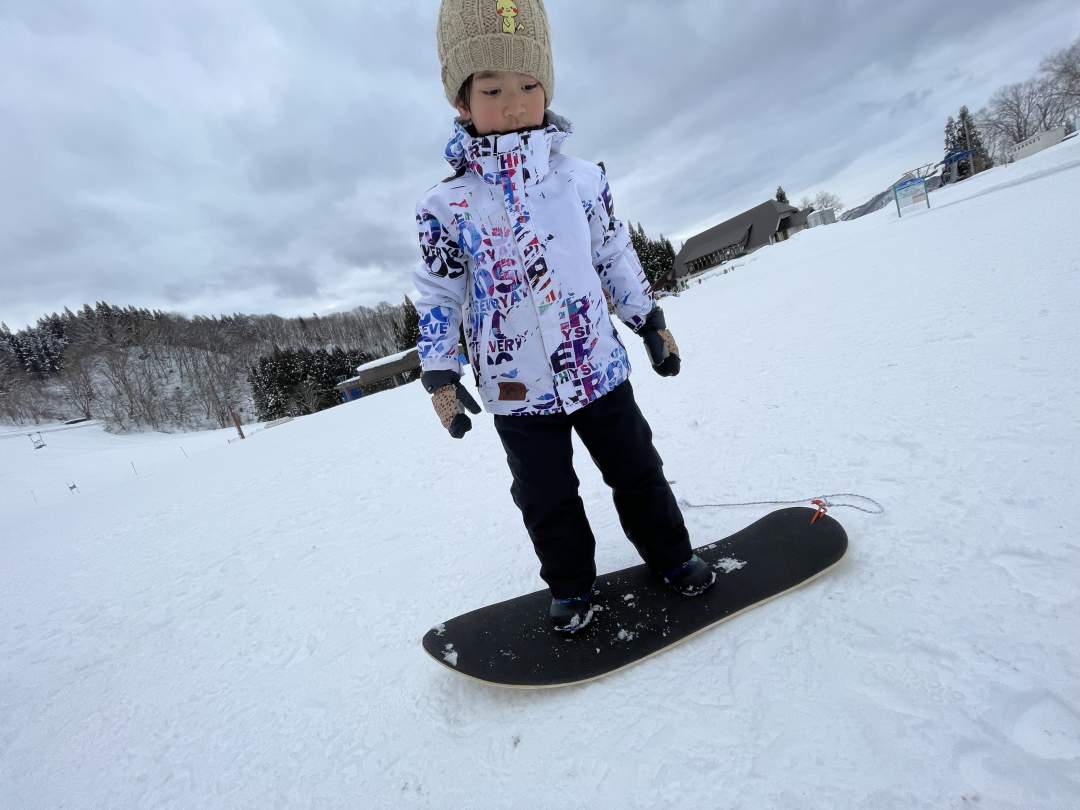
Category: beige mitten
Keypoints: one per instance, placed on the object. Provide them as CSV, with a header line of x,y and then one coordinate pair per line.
x,y
450,400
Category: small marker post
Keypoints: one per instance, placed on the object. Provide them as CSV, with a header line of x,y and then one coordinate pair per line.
x,y
236,421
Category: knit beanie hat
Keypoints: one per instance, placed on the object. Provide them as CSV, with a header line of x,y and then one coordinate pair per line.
x,y
479,35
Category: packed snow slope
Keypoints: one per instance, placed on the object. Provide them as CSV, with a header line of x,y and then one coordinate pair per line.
x,y
238,625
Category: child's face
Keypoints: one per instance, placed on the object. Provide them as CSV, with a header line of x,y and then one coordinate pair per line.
x,y
504,102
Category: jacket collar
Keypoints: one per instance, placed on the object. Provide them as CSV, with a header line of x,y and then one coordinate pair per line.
x,y
493,156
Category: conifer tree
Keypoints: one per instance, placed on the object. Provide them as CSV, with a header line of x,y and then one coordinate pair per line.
x,y
969,137
950,135
409,331
781,195
640,243
657,257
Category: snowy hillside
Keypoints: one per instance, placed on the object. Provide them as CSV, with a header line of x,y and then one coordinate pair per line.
x,y
238,626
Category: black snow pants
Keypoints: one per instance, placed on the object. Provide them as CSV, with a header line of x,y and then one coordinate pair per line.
x,y
545,488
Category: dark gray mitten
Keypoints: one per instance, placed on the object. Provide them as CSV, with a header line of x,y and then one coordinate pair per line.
x,y
661,346
450,400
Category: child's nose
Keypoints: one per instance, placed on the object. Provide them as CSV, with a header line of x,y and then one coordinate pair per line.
x,y
516,107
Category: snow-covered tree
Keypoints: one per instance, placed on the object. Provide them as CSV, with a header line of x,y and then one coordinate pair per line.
x,y
138,367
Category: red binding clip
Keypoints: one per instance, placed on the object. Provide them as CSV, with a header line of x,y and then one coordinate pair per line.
x,y
822,507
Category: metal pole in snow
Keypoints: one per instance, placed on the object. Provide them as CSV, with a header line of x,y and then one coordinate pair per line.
x,y
133,468
971,156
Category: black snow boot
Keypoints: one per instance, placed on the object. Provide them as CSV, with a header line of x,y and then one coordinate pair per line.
x,y
692,578
571,615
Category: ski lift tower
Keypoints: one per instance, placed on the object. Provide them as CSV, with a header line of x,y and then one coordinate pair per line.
x,y
957,162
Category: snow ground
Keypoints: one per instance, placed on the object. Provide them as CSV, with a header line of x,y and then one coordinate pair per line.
x,y
91,459
240,627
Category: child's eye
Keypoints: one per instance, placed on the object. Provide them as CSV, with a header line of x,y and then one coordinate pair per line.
x,y
528,88
491,93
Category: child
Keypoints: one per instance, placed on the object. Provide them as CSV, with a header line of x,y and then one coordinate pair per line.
x,y
520,246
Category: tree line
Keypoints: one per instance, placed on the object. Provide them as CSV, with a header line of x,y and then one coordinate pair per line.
x,y
657,258
1015,113
291,382
135,367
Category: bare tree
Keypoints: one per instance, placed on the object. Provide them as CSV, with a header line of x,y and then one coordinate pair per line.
x,y
24,399
1011,117
1016,112
147,393
77,380
136,367
117,373
1051,108
821,201
825,200
1062,68
180,410
995,137
217,384
12,384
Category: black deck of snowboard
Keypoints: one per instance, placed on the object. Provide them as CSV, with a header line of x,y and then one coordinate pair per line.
x,y
511,644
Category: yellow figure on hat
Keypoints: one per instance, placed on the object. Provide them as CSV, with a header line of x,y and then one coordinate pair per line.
x,y
508,10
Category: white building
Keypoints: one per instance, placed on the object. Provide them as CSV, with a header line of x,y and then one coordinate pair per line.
x,y
826,216
1036,143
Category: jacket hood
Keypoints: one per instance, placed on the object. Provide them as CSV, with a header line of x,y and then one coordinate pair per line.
x,y
489,155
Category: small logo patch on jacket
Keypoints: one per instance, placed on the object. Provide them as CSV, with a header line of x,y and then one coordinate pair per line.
x,y
512,392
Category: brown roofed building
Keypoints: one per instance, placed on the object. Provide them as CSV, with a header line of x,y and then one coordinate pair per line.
x,y
763,225
380,374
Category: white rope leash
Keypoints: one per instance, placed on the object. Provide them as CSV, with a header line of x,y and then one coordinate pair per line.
x,y
874,508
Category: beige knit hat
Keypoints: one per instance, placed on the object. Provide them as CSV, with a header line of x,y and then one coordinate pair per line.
x,y
477,35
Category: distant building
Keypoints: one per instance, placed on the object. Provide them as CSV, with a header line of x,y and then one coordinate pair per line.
x,y
379,371
1036,143
826,216
766,224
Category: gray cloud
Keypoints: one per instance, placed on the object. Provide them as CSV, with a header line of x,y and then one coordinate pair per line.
x,y
266,156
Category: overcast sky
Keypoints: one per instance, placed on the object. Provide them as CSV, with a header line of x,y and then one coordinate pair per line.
x,y
217,156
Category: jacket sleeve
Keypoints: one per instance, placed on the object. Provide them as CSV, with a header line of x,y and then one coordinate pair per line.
x,y
441,281
615,260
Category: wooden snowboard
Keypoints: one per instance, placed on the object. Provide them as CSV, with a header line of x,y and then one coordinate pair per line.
x,y
635,614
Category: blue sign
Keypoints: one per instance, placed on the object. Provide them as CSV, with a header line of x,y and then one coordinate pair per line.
x,y
910,192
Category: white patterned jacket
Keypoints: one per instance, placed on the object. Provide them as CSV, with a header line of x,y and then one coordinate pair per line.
x,y
520,247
